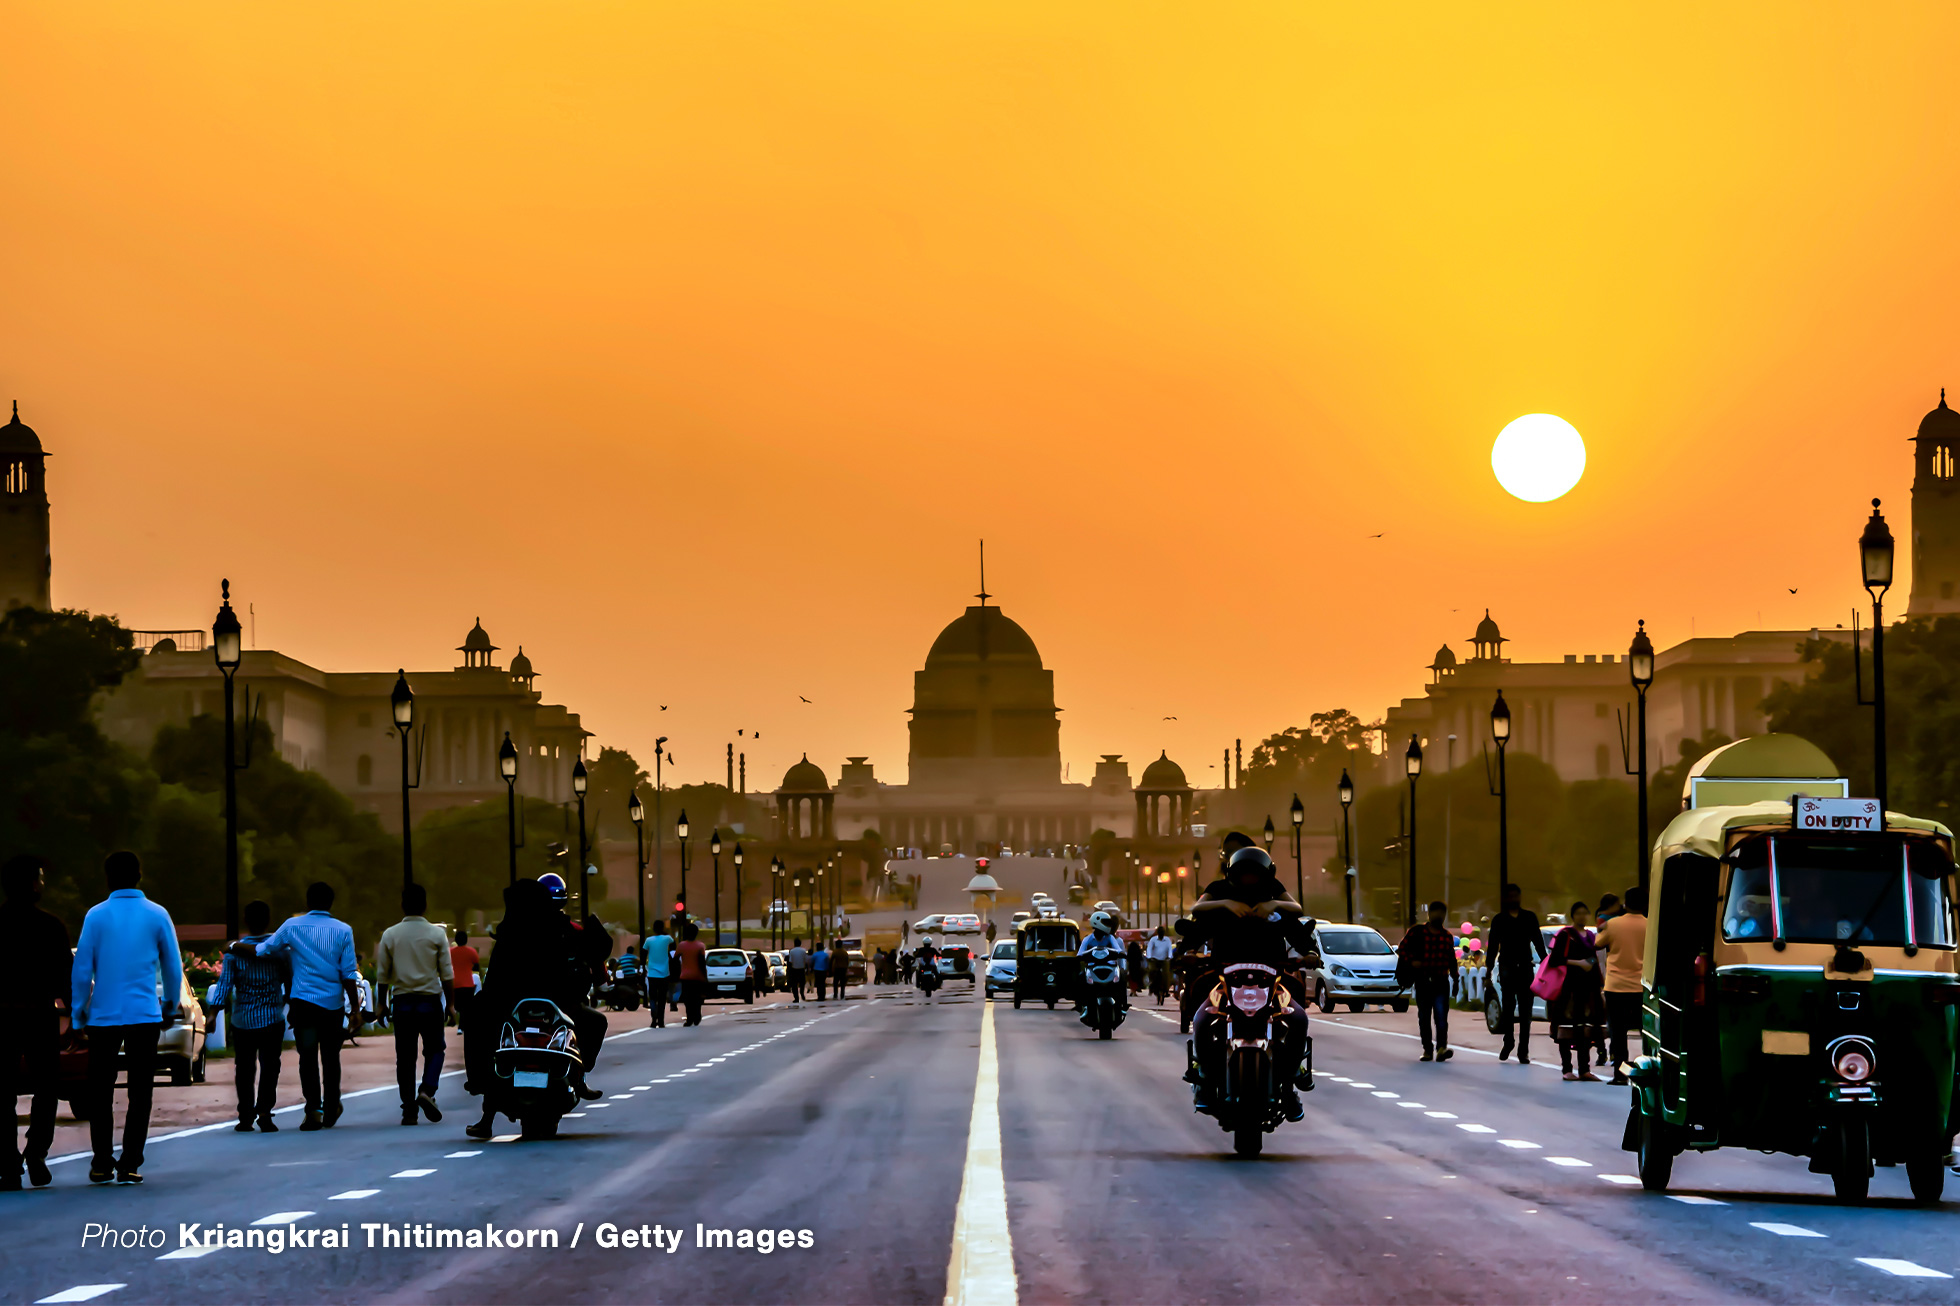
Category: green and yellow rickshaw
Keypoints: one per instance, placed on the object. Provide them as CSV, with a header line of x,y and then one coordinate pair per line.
x,y
1046,968
1800,983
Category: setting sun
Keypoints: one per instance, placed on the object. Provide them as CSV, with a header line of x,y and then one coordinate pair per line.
x,y
1538,457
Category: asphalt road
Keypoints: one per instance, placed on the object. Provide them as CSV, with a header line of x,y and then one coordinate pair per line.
x,y
1468,1181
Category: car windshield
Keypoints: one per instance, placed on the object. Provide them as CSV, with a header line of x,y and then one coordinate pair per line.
x,y
1004,949
727,957
1887,890
1354,943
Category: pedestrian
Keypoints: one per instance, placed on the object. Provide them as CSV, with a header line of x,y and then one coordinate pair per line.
x,y
1609,908
463,962
820,968
905,967
797,963
759,971
840,969
1133,959
253,991
693,971
992,930
660,974
126,977
1577,1015
325,985
1516,944
1624,938
1157,955
413,960
1427,956
34,986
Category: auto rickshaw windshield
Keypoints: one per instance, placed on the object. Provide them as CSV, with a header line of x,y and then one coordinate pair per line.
x,y
1049,938
1884,890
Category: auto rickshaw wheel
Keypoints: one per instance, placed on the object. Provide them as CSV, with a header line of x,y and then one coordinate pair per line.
x,y
1851,1177
1656,1156
1051,1004
1927,1175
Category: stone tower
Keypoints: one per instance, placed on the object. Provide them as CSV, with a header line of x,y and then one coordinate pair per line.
x,y
1936,514
26,565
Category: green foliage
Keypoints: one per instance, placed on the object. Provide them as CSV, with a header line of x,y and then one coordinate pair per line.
x,y
462,854
1307,762
609,785
1922,687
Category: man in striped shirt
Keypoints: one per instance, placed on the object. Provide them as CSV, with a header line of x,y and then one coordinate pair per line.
x,y
254,991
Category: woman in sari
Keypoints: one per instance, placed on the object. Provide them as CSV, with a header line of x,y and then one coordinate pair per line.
x,y
1578,1013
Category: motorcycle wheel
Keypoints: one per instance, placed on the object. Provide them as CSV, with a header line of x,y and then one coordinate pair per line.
x,y
1655,1159
1051,1004
1104,1031
1851,1177
1927,1175
539,1125
1247,1139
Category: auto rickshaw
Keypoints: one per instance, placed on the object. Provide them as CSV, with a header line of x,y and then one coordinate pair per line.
x,y
1046,968
1800,988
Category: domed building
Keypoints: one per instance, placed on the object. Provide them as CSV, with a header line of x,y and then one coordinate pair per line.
x,y
1936,514
985,758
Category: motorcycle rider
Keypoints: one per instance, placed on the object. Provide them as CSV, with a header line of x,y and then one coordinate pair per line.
x,y
925,958
539,953
1248,916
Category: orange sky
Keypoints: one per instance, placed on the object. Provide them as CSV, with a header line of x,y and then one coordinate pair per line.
x,y
695,344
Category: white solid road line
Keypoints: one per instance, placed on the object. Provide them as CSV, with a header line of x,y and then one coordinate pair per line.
x,y
981,1269
1904,1269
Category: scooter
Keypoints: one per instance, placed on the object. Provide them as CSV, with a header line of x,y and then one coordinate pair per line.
x,y
1104,991
536,1063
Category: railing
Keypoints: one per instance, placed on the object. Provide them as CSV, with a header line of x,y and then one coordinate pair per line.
x,y
186,641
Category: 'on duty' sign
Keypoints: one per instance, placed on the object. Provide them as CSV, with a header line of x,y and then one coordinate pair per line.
x,y
1838,815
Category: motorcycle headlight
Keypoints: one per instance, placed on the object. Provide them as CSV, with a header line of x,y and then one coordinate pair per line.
x,y
1853,1060
561,1040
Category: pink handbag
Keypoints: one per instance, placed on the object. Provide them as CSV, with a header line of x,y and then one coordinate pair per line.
x,y
1549,982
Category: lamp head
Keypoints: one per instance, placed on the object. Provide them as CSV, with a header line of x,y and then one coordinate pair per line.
x,y
1268,832
227,641
1875,553
1500,719
402,701
738,854
1346,790
636,812
1640,658
714,841
1412,760
578,777
1298,812
507,759
680,826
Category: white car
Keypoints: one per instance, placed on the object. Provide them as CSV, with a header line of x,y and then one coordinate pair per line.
x,y
956,962
1357,967
929,924
1000,968
962,923
729,975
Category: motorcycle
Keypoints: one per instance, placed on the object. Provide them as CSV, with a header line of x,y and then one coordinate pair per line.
x,y
929,978
1249,1103
620,992
1104,991
536,1062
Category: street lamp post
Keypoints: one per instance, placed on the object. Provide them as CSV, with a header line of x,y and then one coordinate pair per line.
x,y
402,703
795,899
584,882
1298,815
1412,763
680,836
1500,733
1180,889
1640,667
1875,558
227,641
1347,842
714,852
1267,835
637,815
738,895
507,768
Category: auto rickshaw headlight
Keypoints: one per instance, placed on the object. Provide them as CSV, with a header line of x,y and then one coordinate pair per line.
x,y
1853,1060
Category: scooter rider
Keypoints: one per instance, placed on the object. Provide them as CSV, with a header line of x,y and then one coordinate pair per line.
x,y
925,959
1248,916
1102,934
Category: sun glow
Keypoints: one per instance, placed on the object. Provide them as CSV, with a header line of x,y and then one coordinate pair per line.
x,y
1538,457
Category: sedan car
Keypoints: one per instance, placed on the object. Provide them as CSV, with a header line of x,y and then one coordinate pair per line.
x,y
1000,968
778,971
1357,967
929,924
728,974
962,923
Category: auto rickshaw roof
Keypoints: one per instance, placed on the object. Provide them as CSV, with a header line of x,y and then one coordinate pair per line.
x,y
1047,920
1705,830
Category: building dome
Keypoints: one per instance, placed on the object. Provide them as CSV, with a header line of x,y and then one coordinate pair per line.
x,y
1942,425
1487,631
1163,774
806,777
520,665
17,436
478,640
982,633
1445,659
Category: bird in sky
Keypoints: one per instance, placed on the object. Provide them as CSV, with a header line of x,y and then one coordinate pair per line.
x,y
1377,535
663,707
804,699
1170,718
1793,591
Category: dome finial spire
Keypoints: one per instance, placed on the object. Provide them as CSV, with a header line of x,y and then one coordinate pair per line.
x,y
983,596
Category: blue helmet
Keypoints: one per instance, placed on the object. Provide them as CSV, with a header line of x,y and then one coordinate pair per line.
x,y
554,886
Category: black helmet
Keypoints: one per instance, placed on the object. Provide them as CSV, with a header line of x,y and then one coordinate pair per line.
x,y
1249,861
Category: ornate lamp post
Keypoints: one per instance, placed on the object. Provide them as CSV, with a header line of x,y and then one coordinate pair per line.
x,y
1412,763
1640,667
638,815
584,884
738,895
1267,835
1875,558
680,835
1181,871
775,896
1298,815
1163,897
507,768
714,851
402,703
1500,733
795,898
227,644
1347,842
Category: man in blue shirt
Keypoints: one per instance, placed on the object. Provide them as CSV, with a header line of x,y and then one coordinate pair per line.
x,y
127,981
660,973
820,968
320,951
255,990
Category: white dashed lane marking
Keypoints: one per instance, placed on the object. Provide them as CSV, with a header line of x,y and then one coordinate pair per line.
x,y
1568,1160
282,1217
353,1194
1904,1269
1476,1129
82,1292
1523,1145
1691,1199
188,1253
1784,1230
451,1156
412,1174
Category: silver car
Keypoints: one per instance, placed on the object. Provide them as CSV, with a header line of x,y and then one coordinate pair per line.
x,y
1357,967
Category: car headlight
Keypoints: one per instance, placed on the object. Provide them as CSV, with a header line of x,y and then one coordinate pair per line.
x,y
1852,1059
1342,972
